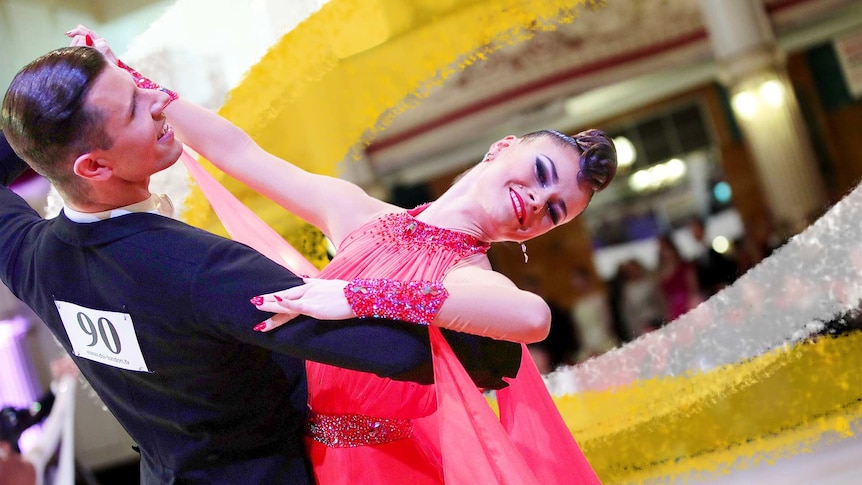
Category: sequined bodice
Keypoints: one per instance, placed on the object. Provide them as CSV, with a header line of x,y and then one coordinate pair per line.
x,y
399,246
395,246
406,232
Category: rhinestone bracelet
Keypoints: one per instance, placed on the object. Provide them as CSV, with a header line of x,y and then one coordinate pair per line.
x,y
145,83
409,301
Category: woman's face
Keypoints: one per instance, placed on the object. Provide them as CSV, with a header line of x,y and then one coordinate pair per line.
x,y
528,188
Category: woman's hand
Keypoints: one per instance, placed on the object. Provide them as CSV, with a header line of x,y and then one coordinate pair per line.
x,y
85,36
317,298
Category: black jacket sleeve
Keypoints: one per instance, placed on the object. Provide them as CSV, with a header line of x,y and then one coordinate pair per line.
x,y
232,274
487,360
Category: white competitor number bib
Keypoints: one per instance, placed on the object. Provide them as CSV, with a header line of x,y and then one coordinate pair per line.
x,y
102,336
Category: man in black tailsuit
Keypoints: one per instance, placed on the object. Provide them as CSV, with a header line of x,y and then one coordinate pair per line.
x,y
156,313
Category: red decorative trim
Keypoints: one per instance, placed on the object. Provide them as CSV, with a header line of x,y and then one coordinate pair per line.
x,y
559,78
778,6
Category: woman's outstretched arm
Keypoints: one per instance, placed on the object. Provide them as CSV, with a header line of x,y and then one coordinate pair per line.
x,y
335,206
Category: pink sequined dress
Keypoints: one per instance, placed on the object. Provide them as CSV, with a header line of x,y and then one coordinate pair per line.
x,y
395,246
369,430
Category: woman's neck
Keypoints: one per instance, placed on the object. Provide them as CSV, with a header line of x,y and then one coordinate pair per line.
x,y
454,212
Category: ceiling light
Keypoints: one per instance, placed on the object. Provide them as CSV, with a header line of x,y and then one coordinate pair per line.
x,y
626,153
772,93
745,104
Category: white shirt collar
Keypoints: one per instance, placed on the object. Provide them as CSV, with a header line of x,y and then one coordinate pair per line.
x,y
155,204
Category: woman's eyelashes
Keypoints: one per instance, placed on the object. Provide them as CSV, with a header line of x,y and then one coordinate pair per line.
x,y
544,179
541,173
555,215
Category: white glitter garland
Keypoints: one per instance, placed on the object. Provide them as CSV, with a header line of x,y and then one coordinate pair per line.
x,y
811,280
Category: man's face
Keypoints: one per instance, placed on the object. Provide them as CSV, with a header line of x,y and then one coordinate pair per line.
x,y
142,141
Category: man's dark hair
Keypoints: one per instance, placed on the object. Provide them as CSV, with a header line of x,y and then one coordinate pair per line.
x,y
44,117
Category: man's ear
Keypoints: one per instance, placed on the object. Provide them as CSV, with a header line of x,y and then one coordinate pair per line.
x,y
90,167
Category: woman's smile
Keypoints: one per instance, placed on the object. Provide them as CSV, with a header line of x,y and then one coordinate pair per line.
x,y
518,206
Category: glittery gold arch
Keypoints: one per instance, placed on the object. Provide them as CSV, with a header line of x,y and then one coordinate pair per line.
x,y
742,415
335,81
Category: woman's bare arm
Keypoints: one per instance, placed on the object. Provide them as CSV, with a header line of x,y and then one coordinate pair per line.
x,y
480,301
334,205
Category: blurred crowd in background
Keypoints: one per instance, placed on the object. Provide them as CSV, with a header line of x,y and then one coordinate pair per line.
x,y
638,298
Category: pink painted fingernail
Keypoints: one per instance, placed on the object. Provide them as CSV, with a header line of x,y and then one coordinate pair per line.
x,y
257,301
260,327
88,40
277,298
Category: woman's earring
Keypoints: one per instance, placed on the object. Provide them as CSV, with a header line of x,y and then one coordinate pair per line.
x,y
524,250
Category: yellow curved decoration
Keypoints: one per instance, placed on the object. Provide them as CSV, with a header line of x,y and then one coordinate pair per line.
x,y
340,77
758,411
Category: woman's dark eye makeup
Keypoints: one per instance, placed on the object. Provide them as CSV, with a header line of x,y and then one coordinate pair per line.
x,y
541,172
542,177
134,104
555,216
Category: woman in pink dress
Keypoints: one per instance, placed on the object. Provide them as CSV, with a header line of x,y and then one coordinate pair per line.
x,y
367,429
427,266
524,187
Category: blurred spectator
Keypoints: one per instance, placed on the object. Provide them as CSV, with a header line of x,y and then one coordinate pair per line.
x,y
714,270
591,315
614,287
677,280
14,421
747,254
14,469
641,303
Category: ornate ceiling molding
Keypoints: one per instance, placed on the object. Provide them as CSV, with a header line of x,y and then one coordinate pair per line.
x,y
524,84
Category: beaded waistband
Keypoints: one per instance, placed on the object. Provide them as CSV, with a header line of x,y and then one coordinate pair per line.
x,y
351,430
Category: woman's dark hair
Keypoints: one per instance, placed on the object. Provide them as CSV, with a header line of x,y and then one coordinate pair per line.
x,y
598,159
44,117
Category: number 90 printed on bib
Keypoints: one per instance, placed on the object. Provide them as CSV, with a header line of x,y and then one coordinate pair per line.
x,y
102,336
